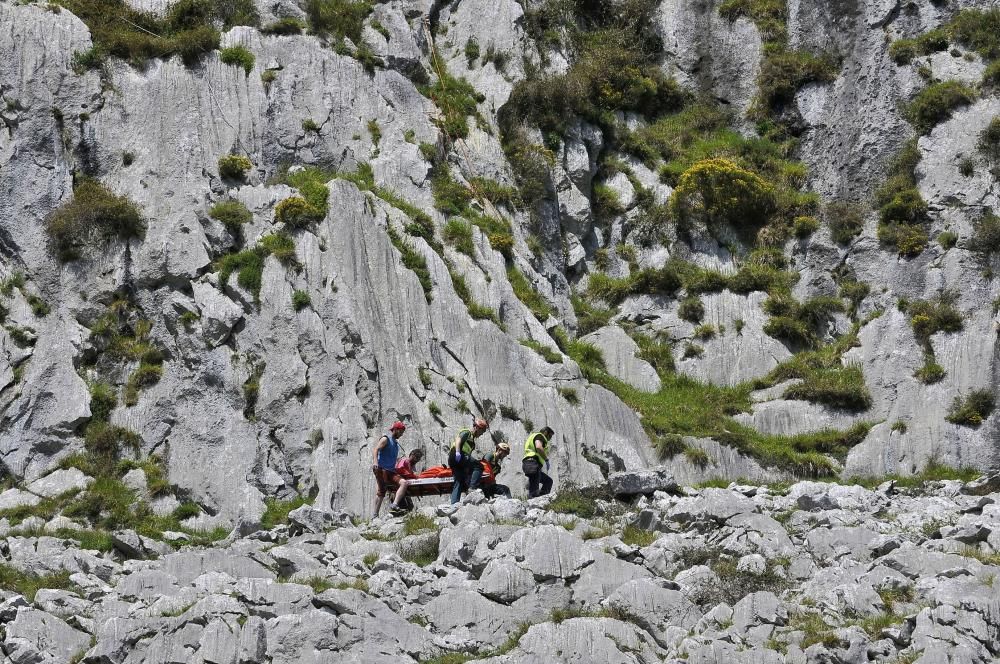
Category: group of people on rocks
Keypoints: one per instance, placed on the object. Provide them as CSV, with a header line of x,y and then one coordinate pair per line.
x,y
465,462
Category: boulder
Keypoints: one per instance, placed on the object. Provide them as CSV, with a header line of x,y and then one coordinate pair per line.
x,y
59,482
13,498
987,484
641,482
311,520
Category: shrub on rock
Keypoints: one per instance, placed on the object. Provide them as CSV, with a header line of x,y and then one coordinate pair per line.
x,y
296,212
935,103
234,166
94,212
232,214
238,56
972,409
720,192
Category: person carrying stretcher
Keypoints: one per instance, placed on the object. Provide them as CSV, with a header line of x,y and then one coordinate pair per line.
x,y
461,460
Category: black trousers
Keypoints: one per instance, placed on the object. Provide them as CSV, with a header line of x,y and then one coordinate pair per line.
x,y
461,471
539,483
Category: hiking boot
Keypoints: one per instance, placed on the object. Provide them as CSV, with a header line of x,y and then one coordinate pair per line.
x,y
395,510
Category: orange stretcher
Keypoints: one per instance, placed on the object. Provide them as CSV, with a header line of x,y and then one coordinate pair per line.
x,y
438,481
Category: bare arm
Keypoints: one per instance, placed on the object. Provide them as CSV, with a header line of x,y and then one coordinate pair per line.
x,y
382,442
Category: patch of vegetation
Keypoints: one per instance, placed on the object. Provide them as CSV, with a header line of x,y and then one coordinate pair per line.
x,y
936,102
931,372
339,18
457,100
413,261
803,227
471,51
531,298
458,233
989,141
783,73
704,332
986,234
735,584
572,500
249,263
234,166
854,292
28,583
276,511
186,510
146,374
238,56
845,220
799,323
417,523
648,281
424,554
902,210
232,214
697,456
94,213
721,193
947,240
971,409
494,192
186,29
635,536
311,183
284,26
295,212
842,387
549,355
902,51
476,310
687,407
927,317
300,300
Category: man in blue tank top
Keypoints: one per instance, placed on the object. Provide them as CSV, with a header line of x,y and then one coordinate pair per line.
x,y
384,457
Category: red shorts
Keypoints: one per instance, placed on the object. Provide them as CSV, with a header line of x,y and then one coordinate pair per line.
x,y
383,479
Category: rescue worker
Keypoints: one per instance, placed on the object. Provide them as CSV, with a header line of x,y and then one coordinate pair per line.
x,y
536,458
461,459
495,459
384,456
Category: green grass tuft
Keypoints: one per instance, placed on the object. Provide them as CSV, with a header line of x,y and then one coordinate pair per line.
x,y
935,103
238,56
276,512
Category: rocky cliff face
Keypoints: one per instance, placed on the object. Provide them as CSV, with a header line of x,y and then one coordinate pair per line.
x,y
254,397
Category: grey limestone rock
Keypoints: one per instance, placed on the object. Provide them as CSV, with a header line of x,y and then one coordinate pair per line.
x,y
712,505
59,482
620,357
45,634
12,498
644,482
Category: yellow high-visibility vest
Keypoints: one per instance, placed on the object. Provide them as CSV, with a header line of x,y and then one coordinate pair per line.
x,y
530,450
